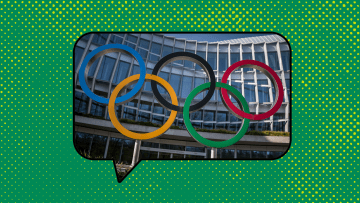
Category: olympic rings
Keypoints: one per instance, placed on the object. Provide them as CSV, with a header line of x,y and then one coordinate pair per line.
x,y
188,108
184,56
141,136
240,99
270,73
95,54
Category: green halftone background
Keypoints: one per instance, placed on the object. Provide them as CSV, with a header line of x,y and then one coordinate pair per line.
x,y
40,164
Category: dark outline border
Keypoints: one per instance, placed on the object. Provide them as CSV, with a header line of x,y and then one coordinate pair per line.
x,y
180,32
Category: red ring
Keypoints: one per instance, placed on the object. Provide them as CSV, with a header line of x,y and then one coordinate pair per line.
x,y
236,110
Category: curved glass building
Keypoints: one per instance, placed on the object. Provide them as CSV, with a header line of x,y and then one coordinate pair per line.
x,y
96,137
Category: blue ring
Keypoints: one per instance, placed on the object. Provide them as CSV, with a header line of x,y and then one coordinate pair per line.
x,y
128,95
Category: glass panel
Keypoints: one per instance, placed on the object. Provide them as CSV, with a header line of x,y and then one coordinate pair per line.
x,y
158,120
144,105
116,40
127,152
195,149
212,60
247,56
223,61
238,86
209,116
122,71
178,156
150,144
186,86
114,149
203,55
78,54
106,69
279,126
93,67
100,38
222,117
131,38
274,155
82,142
144,43
189,64
273,60
81,102
97,109
264,127
234,57
164,76
166,51
243,154
181,62
158,109
285,57
175,82
264,95
145,155
98,147
249,91
198,82
129,113
288,87
197,115
209,126
163,155
147,86
155,48
143,117
154,58
258,155
225,153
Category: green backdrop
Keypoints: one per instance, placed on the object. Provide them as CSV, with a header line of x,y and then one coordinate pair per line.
x,y
39,163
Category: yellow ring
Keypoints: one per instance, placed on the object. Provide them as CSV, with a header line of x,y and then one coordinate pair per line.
x,y
142,136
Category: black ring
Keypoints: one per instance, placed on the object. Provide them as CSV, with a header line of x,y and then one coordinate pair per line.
x,y
189,57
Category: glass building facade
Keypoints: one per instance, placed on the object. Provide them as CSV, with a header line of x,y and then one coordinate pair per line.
x,y
110,69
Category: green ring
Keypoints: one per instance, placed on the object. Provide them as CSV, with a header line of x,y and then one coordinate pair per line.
x,y
196,135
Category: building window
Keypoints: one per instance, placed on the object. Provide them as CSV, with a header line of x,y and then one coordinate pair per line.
x,y
223,61
225,153
198,82
273,60
279,126
264,95
122,71
222,116
175,82
285,57
249,91
189,64
243,154
97,109
82,142
238,86
164,76
81,102
129,113
116,39
288,87
131,38
212,60
100,39
247,56
209,115
258,155
202,54
158,109
186,86
197,115
166,51
78,54
106,69
157,120
143,117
